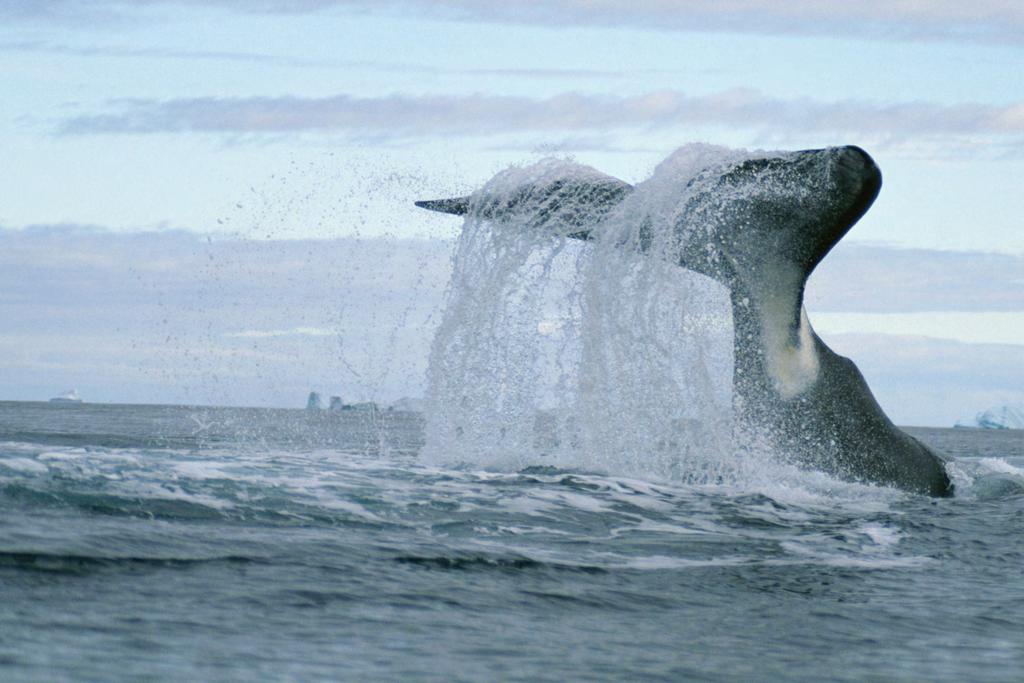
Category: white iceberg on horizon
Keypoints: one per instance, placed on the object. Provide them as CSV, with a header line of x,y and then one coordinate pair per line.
x,y
70,396
1001,417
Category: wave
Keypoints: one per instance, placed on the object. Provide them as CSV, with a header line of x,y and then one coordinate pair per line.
x,y
486,563
59,563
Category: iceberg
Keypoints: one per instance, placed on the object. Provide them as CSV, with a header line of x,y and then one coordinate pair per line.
x,y
1002,417
337,405
314,402
67,397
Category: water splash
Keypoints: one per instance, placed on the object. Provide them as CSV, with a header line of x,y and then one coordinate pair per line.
x,y
596,356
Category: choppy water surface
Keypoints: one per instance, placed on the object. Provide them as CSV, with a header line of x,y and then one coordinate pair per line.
x,y
158,542
576,505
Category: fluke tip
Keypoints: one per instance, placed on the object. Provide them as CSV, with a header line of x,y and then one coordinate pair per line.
x,y
457,206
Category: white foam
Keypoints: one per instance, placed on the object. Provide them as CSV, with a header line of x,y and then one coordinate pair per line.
x,y
624,359
24,465
201,469
881,535
986,478
662,562
68,455
650,527
1001,466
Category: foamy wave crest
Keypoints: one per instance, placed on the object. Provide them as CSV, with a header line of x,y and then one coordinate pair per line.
x,y
987,478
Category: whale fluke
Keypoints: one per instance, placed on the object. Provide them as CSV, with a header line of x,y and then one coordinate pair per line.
x,y
457,206
565,203
759,226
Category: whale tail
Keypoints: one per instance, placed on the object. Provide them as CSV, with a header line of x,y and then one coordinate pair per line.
x,y
457,206
759,226
773,226
568,203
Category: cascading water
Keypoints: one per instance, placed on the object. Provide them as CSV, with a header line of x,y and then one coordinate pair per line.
x,y
603,355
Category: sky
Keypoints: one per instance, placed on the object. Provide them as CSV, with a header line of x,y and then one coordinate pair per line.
x,y
210,201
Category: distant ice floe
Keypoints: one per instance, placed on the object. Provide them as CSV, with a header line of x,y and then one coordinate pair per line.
x,y
315,403
1002,417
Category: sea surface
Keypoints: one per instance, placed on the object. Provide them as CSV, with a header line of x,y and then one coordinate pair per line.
x,y
185,543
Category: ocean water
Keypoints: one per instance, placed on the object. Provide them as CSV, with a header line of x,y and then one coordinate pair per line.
x,y
178,543
576,503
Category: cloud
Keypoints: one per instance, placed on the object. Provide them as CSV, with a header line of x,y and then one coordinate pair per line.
x,y
174,316
65,12
407,116
859,278
977,327
266,59
992,21
984,21
934,382
127,52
